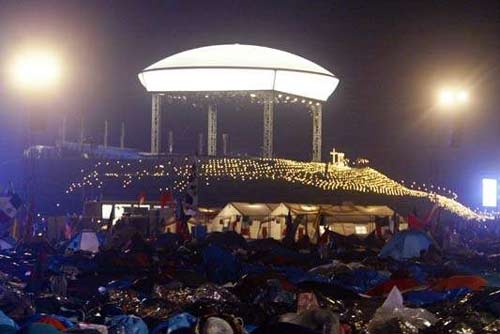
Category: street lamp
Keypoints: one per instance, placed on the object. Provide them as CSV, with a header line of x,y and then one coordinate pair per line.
x,y
36,70
453,98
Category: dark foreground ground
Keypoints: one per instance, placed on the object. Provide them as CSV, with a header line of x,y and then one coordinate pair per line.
x,y
224,284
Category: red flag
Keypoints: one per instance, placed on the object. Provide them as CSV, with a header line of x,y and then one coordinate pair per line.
x,y
68,228
166,198
142,197
182,229
416,223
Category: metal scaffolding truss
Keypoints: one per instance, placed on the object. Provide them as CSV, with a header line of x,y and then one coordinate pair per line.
x,y
156,123
316,112
267,146
212,130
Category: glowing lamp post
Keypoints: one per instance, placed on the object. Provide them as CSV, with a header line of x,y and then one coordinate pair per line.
x,y
36,71
450,100
453,98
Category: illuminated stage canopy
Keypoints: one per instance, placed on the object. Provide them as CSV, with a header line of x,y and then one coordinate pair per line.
x,y
237,67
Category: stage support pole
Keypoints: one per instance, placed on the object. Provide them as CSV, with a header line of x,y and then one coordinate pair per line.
x,y
267,145
212,130
156,100
82,133
106,134
63,130
225,144
200,143
122,136
170,142
316,112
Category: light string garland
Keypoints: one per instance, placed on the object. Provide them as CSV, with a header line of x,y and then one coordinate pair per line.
x,y
329,177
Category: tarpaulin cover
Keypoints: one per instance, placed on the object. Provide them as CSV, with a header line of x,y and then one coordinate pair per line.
x,y
220,265
412,320
360,280
406,245
130,323
6,321
86,241
175,323
40,328
428,297
403,284
456,282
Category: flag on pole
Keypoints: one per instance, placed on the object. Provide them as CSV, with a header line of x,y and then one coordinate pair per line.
x,y
165,198
191,196
181,226
142,197
68,228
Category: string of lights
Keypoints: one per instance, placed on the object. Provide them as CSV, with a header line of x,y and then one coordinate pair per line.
x,y
329,177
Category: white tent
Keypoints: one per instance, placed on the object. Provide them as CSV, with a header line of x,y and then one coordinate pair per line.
x,y
244,218
345,219
86,241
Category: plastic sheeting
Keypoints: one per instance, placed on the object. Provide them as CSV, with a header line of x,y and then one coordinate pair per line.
x,y
393,313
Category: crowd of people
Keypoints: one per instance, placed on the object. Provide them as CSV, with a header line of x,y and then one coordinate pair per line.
x,y
442,278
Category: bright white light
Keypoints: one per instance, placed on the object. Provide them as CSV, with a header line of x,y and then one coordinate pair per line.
x,y
309,85
239,68
360,229
490,190
446,97
36,69
463,96
308,207
452,97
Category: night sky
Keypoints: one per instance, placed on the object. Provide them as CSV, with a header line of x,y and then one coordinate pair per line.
x,y
391,57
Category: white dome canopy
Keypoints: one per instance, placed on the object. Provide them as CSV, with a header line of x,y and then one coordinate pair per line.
x,y
238,67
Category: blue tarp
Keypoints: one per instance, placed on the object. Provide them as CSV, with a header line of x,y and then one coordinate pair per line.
x,y
360,280
176,323
428,297
406,245
131,324
6,321
220,265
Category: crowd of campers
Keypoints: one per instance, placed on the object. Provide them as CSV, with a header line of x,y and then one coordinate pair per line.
x,y
251,220
338,269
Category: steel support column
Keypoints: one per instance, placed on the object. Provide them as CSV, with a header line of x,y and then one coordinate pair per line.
x,y
316,112
212,130
170,142
106,134
156,123
63,130
122,136
200,143
267,145
225,144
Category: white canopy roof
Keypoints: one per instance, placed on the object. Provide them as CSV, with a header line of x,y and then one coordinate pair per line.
x,y
238,67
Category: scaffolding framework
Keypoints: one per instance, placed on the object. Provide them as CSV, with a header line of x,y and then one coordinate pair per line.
x,y
122,136
212,130
106,134
225,144
156,123
316,112
200,143
267,145
63,130
170,142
